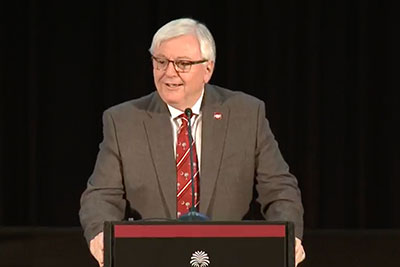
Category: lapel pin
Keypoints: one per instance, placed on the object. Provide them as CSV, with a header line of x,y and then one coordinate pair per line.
x,y
217,115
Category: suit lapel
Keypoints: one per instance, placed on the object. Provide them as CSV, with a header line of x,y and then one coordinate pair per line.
x,y
213,139
159,132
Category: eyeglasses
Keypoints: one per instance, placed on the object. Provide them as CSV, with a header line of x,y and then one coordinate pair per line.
x,y
179,65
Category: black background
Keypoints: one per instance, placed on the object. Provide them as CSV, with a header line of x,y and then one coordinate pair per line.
x,y
327,70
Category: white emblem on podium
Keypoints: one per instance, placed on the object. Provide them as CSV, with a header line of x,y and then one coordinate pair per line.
x,y
199,259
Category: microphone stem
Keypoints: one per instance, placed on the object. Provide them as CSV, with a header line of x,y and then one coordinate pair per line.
x,y
192,208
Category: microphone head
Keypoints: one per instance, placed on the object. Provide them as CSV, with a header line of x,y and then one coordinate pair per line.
x,y
188,112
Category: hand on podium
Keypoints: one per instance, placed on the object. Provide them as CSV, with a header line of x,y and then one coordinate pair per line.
x,y
97,248
300,255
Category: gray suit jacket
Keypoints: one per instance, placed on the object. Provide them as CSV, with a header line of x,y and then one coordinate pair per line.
x,y
135,169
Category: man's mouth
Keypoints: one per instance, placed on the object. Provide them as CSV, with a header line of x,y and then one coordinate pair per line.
x,y
173,85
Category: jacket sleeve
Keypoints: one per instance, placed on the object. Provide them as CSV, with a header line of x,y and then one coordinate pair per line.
x,y
103,199
277,188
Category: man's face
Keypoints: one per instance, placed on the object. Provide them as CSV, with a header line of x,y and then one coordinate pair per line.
x,y
181,89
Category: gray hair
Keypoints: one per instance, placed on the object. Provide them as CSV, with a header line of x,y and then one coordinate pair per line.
x,y
185,26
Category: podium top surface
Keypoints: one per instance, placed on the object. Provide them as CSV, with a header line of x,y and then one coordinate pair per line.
x,y
178,230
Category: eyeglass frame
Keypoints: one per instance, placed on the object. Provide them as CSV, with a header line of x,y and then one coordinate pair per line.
x,y
190,63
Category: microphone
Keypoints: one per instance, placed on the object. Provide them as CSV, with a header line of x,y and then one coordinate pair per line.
x,y
192,215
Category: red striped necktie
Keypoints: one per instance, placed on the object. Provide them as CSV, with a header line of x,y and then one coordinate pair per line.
x,y
184,183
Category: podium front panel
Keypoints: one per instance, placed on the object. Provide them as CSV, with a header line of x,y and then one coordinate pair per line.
x,y
199,244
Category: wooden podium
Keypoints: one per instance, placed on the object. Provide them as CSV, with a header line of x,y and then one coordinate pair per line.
x,y
198,244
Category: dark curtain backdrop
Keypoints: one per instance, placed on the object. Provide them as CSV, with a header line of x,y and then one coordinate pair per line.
x,y
327,70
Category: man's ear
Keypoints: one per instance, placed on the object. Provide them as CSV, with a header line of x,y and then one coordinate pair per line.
x,y
209,71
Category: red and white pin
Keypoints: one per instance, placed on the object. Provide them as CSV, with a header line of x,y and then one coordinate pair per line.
x,y
217,115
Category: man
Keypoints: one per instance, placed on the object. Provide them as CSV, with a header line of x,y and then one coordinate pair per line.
x,y
138,166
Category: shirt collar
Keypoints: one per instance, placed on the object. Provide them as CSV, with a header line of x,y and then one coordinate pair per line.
x,y
195,109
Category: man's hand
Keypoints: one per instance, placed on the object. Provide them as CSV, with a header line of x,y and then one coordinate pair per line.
x,y
300,255
97,248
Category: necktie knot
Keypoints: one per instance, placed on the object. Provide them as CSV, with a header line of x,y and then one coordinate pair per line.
x,y
185,119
